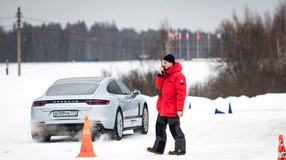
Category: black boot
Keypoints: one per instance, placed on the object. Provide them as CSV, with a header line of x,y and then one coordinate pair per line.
x,y
152,150
177,152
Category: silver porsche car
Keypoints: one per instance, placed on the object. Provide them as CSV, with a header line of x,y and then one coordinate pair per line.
x,y
110,106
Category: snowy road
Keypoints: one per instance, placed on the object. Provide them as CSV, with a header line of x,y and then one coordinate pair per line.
x,y
250,133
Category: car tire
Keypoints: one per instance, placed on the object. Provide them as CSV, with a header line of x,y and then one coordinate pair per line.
x,y
145,122
117,132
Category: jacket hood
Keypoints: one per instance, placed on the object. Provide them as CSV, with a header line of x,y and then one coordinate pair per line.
x,y
176,68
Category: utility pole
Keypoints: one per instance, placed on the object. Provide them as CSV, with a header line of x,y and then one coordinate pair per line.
x,y
19,40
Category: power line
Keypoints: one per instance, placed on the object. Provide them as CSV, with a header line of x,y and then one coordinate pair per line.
x,y
7,18
38,20
6,26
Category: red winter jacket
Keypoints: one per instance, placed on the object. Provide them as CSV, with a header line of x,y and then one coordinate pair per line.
x,y
173,91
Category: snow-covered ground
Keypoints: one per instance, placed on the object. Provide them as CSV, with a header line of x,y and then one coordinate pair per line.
x,y
250,133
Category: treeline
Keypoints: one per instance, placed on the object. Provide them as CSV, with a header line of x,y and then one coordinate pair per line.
x,y
102,42
253,56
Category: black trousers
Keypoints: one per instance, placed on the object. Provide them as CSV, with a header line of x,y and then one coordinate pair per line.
x,y
176,131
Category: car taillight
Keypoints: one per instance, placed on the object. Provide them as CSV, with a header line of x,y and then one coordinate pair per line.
x,y
97,102
39,103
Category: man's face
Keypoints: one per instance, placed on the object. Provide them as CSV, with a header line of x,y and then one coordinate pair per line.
x,y
167,65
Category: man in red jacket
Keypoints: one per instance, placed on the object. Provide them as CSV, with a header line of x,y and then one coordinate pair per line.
x,y
170,106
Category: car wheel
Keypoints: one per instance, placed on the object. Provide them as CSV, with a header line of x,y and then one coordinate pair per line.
x,y
145,122
41,137
117,132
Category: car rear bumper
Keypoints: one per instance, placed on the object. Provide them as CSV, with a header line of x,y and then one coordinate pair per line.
x,y
64,129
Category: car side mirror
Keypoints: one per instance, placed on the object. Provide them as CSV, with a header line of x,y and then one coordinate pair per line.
x,y
135,93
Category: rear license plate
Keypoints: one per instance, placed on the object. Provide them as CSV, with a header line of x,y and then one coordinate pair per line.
x,y
71,113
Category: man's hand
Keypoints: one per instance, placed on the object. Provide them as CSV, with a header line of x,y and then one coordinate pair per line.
x,y
161,70
180,113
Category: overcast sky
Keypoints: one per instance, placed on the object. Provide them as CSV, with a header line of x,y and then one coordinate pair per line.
x,y
194,15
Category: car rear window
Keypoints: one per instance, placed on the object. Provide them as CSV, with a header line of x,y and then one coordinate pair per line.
x,y
72,89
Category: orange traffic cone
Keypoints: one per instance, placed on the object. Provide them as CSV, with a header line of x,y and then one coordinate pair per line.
x,y
281,148
86,141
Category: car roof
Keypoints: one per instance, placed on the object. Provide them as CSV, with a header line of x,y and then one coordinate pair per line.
x,y
80,79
